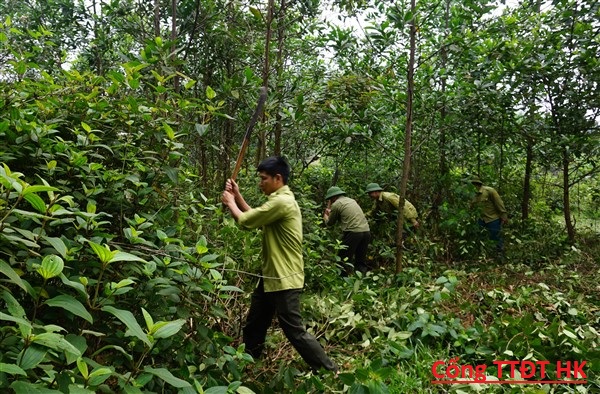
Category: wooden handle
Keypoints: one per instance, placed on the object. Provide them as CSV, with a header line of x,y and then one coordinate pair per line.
x,y
259,105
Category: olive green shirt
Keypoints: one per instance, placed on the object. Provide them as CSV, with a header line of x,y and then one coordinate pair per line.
x,y
490,205
349,214
387,202
281,222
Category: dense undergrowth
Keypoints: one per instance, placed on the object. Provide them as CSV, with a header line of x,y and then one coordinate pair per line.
x,y
120,273
388,331
154,310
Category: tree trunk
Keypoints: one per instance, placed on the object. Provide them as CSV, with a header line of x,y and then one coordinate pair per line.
x,y
407,138
478,170
98,61
279,71
566,199
442,182
262,135
529,153
228,132
173,43
527,180
501,164
156,18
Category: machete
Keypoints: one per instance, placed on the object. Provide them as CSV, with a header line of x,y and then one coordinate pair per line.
x,y
259,106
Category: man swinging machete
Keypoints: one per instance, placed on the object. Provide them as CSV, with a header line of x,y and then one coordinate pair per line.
x,y
280,286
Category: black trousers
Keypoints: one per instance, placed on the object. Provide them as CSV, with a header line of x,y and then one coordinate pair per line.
x,y
286,304
356,249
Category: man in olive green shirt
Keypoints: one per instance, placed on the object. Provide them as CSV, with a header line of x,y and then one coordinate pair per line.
x,y
282,280
355,228
388,202
492,213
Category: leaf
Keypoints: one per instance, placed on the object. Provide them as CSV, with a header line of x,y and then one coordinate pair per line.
x,y
99,375
124,256
72,305
76,285
168,377
216,275
190,83
347,378
37,189
128,319
12,369
256,13
217,390
201,129
143,379
210,93
358,389
161,235
231,288
376,387
123,283
569,334
201,247
52,265
32,214
20,240
544,286
209,257
244,390
169,328
20,321
148,319
36,202
103,252
83,368
58,244
79,342
14,277
131,390
22,387
402,335
55,341
169,131
31,357
117,348
74,389
171,173
17,314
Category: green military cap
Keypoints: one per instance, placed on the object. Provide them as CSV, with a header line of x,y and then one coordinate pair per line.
x,y
333,191
373,187
475,180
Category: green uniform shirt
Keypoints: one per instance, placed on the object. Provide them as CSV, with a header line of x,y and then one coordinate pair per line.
x,y
281,222
350,215
387,202
490,205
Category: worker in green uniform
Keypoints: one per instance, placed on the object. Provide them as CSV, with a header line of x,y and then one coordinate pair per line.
x,y
492,213
279,288
388,202
356,234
